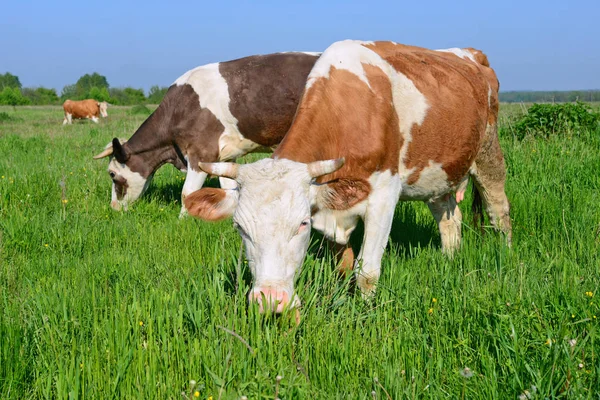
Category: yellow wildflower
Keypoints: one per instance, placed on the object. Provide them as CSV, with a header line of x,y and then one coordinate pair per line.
x,y
434,300
45,244
196,394
572,315
81,365
589,294
65,201
430,311
141,323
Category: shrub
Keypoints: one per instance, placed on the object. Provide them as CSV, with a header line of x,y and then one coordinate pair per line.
x,y
140,109
12,97
156,94
41,96
5,117
543,120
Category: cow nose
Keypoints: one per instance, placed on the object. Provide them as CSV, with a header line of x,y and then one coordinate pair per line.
x,y
115,205
270,299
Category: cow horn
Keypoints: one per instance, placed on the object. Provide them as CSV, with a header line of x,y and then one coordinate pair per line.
x,y
224,169
320,168
105,153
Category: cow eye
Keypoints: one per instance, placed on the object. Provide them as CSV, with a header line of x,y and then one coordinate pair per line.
x,y
303,225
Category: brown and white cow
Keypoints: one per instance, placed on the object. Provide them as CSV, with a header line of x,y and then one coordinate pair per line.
x,y
215,112
84,109
378,122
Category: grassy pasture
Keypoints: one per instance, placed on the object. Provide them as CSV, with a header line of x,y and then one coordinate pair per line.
x,y
100,304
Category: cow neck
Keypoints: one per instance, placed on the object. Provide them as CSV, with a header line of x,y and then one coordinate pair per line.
x,y
152,144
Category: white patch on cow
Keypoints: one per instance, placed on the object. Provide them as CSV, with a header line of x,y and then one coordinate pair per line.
x,y
432,182
348,55
193,181
310,53
336,225
95,119
489,96
68,119
136,184
227,183
462,53
213,93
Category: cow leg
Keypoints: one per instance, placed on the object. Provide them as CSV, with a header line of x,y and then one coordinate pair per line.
x,y
95,119
489,176
449,219
193,181
378,223
68,119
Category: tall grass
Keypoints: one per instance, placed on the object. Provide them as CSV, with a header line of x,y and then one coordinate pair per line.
x,y
100,304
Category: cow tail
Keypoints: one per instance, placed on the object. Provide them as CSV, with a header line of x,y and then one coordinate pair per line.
x,y
477,209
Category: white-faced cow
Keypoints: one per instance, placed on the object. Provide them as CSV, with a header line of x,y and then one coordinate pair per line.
x,y
378,122
215,112
84,109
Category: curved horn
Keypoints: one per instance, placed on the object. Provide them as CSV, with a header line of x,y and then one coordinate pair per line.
x,y
107,152
224,169
320,168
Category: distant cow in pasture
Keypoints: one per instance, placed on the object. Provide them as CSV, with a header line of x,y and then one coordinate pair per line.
x,y
378,123
215,112
84,109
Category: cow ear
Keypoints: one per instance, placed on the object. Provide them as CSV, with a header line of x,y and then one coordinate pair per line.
x,y
119,151
212,204
341,194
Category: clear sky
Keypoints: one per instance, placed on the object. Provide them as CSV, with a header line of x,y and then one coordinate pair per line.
x,y
532,45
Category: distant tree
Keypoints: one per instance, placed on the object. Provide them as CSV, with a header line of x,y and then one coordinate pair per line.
x,y
12,97
127,96
9,80
40,96
99,94
69,92
156,94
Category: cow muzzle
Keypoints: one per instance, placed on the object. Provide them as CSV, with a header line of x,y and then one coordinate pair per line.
x,y
271,299
115,205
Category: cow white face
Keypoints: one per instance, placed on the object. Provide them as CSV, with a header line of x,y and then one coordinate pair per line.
x,y
103,108
271,210
127,185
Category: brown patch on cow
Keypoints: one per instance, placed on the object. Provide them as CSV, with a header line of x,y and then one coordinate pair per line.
x,y
479,56
457,93
342,117
343,194
264,92
178,126
82,109
121,186
205,204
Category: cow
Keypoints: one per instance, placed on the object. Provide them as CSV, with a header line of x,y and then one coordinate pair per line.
x,y
84,109
215,112
378,123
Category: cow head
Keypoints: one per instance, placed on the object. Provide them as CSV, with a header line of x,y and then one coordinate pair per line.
x,y
128,184
103,107
271,210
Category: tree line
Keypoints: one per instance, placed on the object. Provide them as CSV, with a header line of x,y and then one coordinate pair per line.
x,y
89,86
568,96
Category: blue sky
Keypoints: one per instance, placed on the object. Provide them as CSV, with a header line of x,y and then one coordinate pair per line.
x,y
532,45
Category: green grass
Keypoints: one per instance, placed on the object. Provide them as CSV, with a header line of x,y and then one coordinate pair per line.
x,y
100,304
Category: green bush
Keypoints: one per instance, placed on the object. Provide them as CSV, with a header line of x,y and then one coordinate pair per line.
x,y
544,120
5,117
12,97
41,96
140,109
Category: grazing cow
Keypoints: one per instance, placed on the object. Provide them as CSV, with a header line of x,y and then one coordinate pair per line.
x,y
90,109
215,112
378,122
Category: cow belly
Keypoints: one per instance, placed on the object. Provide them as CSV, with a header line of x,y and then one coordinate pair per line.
x,y
432,182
